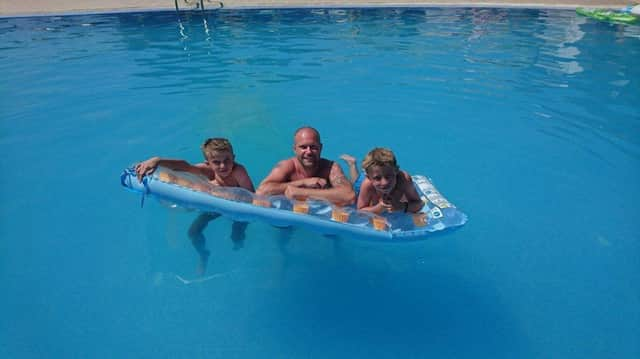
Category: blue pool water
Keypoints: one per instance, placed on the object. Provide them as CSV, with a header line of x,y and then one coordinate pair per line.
x,y
528,120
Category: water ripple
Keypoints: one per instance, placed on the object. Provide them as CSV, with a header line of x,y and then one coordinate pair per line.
x,y
560,64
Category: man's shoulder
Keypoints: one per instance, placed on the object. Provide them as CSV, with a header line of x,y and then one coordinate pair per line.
x,y
287,164
284,168
326,163
325,168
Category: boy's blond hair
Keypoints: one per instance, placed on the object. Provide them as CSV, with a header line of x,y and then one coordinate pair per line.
x,y
212,145
379,157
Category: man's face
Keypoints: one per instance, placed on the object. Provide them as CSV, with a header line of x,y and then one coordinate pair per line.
x,y
307,148
221,163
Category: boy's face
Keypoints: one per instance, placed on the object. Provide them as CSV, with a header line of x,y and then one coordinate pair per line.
x,y
383,178
221,163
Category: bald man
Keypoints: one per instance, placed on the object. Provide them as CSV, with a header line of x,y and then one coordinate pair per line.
x,y
307,175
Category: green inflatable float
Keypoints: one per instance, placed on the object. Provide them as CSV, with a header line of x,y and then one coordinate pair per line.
x,y
624,16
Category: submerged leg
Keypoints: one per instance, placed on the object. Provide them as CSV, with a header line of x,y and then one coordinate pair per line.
x,y
284,237
198,240
238,230
353,169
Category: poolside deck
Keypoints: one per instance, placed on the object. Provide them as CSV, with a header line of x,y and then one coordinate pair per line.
x,y
34,7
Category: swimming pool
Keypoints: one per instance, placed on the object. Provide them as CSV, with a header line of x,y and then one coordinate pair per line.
x,y
528,120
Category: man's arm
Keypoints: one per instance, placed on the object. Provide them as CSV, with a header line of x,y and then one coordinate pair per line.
x,y
276,181
341,192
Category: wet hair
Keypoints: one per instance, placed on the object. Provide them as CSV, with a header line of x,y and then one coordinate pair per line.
x,y
380,157
307,128
212,145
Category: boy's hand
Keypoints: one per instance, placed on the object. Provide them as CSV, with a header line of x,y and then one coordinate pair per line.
x,y
385,205
146,167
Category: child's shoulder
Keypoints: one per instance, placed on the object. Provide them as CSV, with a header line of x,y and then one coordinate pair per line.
x,y
366,185
239,167
405,176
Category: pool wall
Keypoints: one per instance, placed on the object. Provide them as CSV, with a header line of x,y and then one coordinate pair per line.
x,y
37,7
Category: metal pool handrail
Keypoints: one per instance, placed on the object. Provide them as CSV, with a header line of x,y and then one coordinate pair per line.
x,y
199,4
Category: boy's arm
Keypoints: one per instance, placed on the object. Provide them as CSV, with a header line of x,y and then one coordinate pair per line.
x,y
365,196
147,167
242,176
414,203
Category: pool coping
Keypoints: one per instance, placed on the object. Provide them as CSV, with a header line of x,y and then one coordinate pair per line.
x,y
35,8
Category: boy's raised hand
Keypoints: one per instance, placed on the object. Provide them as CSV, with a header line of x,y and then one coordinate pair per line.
x,y
146,167
385,204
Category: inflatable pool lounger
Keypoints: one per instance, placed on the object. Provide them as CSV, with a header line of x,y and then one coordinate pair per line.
x,y
193,192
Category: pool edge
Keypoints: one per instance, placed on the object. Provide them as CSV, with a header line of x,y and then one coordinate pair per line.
x,y
115,9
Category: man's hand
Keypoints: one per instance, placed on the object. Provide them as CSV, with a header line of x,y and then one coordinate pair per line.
x,y
312,182
292,192
296,193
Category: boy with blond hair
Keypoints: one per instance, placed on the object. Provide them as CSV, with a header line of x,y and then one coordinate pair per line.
x,y
385,187
221,170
